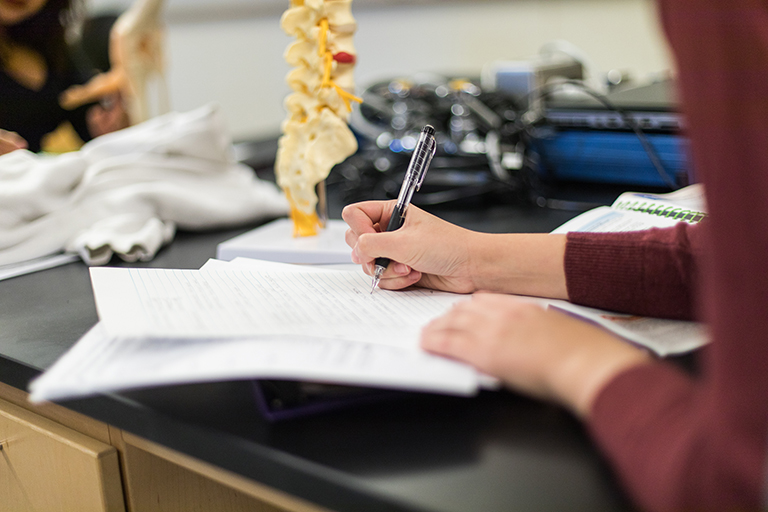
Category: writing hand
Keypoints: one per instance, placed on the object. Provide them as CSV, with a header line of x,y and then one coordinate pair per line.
x,y
543,353
426,251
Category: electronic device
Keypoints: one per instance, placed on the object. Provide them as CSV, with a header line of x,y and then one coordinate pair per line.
x,y
630,136
523,80
653,107
494,144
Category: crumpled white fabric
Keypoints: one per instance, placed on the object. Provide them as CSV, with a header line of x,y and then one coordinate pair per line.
x,y
128,191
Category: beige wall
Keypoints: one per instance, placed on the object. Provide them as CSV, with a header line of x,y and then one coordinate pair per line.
x,y
237,60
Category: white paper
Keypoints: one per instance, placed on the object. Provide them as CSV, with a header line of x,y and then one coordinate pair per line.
x,y
662,336
604,219
35,265
98,363
628,211
257,264
689,198
160,303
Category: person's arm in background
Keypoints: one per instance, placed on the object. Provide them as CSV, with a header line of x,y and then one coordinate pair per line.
x,y
104,115
11,141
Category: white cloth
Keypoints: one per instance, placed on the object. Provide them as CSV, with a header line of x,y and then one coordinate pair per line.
x,y
126,192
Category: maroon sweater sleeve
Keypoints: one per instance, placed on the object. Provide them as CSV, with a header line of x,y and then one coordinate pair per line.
x,y
679,443
650,273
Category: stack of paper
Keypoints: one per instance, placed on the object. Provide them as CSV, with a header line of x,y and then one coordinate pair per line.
x,y
246,320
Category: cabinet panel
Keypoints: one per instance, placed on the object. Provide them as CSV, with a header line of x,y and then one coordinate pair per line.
x,y
45,466
57,413
158,479
157,485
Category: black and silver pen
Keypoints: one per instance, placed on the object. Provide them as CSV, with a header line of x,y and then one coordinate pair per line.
x,y
414,176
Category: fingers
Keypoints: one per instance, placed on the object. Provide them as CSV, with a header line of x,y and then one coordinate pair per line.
x,y
368,243
364,217
375,245
542,353
478,331
393,270
454,334
101,85
432,251
350,237
102,120
11,141
397,279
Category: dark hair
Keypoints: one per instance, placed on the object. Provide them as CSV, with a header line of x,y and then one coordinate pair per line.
x,y
44,32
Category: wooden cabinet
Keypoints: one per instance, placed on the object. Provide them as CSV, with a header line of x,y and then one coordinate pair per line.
x,y
45,466
158,479
53,459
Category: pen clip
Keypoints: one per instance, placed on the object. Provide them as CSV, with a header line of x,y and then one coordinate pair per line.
x,y
427,160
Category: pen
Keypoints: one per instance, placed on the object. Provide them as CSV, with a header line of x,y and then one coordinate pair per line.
x,y
414,176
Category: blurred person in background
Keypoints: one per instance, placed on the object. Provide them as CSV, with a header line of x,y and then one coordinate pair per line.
x,y
36,67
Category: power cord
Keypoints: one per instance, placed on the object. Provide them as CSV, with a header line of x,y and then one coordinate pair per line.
x,y
530,118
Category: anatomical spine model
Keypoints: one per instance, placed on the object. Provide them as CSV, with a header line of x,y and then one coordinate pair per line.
x,y
315,134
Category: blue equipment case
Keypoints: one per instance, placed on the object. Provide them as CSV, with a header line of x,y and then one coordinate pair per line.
x,y
583,140
612,157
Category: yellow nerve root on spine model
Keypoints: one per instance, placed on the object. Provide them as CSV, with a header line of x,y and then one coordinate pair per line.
x,y
315,134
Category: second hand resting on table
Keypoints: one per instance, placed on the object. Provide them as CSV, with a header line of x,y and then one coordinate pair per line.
x,y
542,353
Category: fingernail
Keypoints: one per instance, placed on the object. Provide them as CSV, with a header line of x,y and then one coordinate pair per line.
x,y
401,268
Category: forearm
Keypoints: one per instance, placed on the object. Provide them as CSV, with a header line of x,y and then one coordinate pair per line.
x,y
522,264
650,273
